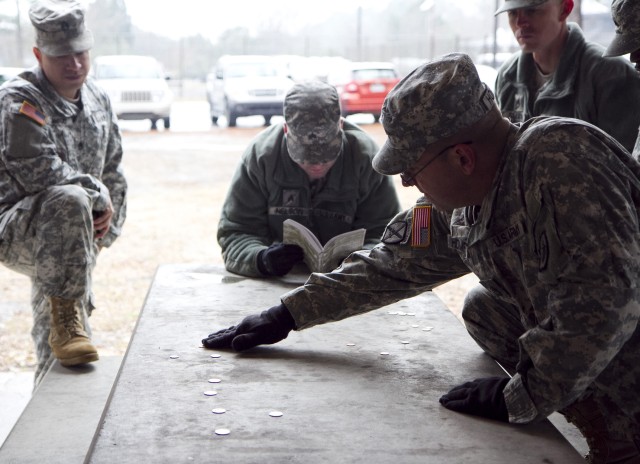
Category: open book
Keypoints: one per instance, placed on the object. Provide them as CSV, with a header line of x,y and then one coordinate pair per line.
x,y
317,257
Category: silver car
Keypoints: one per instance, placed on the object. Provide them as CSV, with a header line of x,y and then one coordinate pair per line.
x,y
247,85
137,87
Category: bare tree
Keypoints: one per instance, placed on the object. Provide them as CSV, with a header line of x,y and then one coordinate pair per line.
x,y
111,27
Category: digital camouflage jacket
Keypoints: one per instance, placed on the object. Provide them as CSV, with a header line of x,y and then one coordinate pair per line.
x,y
558,237
45,140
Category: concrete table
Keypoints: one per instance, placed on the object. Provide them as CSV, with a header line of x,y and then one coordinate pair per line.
x,y
59,423
341,399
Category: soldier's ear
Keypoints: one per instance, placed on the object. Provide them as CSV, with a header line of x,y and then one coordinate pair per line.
x,y
465,158
38,54
567,8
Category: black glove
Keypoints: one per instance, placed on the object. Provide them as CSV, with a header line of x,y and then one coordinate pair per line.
x,y
482,397
279,259
265,328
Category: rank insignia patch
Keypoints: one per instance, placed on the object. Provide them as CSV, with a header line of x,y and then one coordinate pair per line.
x,y
290,198
394,233
33,113
421,226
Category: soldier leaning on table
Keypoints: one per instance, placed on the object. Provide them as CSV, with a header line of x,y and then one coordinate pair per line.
x,y
546,214
626,16
62,190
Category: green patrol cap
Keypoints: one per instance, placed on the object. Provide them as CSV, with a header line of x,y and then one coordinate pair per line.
x,y
437,100
60,28
515,4
312,114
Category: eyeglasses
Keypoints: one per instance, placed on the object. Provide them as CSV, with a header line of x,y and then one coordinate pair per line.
x,y
409,181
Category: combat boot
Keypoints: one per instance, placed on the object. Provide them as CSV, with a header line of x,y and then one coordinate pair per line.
x,y
604,448
67,337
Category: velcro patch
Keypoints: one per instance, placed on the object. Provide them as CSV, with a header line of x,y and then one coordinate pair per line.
x,y
421,226
290,197
395,233
33,113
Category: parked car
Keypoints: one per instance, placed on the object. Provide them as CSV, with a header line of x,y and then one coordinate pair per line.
x,y
137,87
363,86
7,73
247,85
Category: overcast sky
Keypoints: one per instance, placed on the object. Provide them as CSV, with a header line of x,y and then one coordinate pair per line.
x,y
211,17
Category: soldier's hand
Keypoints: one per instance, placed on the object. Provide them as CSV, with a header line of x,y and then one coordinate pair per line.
x,y
102,221
279,259
481,397
265,328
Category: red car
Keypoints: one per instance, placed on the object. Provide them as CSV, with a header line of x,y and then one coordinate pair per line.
x,y
362,86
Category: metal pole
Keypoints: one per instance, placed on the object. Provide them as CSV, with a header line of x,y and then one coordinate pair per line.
x,y
359,34
495,36
19,55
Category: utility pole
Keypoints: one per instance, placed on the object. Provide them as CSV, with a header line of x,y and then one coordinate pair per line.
x,y
428,6
495,35
359,34
19,57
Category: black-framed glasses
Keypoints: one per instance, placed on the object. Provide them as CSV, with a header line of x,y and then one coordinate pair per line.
x,y
409,181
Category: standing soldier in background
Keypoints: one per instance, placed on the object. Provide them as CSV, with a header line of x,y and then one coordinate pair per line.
x,y
558,73
626,16
62,190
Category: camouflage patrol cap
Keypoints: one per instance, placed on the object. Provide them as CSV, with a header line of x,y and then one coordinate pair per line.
x,y
437,100
60,28
312,114
626,15
515,4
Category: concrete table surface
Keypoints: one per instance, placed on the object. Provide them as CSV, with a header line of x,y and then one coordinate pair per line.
x,y
341,399
60,421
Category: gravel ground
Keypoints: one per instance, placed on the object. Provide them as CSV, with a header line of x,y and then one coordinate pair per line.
x,y
178,181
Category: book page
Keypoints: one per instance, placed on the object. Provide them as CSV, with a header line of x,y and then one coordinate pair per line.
x,y
339,247
295,233
317,258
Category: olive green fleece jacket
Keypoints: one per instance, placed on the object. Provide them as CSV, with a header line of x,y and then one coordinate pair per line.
x,y
268,187
602,91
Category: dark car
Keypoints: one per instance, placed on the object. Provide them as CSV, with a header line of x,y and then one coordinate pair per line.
x,y
363,86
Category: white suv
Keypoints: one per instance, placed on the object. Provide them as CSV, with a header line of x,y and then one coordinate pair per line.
x,y
247,85
137,87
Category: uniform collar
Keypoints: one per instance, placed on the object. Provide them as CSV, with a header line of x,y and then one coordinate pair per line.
x,y
62,106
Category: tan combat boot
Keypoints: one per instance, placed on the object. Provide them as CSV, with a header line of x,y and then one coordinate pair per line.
x,y
67,337
603,447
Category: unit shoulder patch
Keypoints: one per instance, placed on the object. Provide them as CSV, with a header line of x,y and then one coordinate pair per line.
x,y
395,233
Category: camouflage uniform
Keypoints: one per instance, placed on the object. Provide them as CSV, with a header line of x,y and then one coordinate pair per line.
x,y
268,186
556,246
59,162
602,91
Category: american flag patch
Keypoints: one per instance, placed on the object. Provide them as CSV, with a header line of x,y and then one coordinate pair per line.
x,y
33,113
421,226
